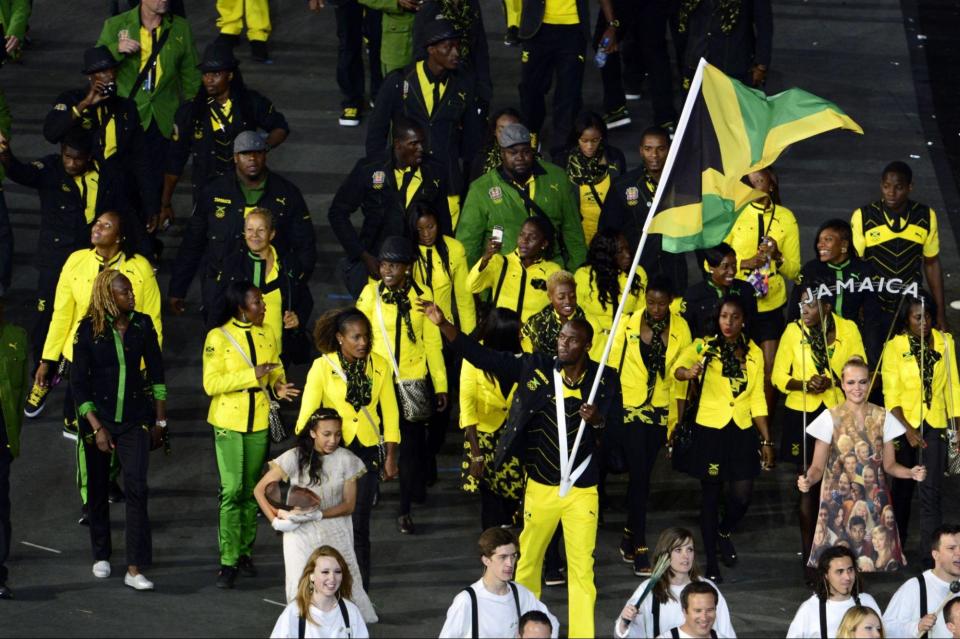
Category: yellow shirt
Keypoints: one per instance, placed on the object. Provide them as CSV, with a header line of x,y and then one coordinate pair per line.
x,y
273,319
146,50
109,124
75,286
588,298
414,185
520,289
431,275
930,240
780,224
718,406
590,207
426,87
215,122
326,388
788,364
901,381
416,358
560,12
481,402
88,185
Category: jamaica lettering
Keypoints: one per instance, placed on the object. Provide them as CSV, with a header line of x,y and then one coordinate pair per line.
x,y
893,286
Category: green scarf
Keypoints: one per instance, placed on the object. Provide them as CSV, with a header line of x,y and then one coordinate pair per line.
x,y
491,158
400,297
818,345
359,386
583,170
543,329
728,10
930,358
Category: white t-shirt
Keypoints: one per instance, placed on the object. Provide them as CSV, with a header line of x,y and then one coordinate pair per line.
x,y
903,611
496,614
671,614
806,623
321,624
680,633
822,427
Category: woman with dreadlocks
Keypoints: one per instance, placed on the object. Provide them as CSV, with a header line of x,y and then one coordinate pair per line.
x,y
317,464
116,413
807,369
592,165
600,283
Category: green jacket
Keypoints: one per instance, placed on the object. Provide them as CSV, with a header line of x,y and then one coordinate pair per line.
x,y
491,201
179,76
14,15
396,48
13,381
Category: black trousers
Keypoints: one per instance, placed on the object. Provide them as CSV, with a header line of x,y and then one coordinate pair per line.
x,y
496,511
556,50
132,443
413,461
901,492
6,458
642,443
366,493
155,150
354,23
6,245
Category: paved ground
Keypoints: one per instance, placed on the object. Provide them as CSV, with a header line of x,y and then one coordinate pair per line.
x,y
854,53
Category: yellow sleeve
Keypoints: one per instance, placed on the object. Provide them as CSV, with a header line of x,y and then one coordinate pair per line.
x,y
389,412
931,247
367,304
152,303
790,251
687,358
953,381
742,237
313,391
890,370
64,312
453,203
217,380
781,375
458,266
856,226
468,396
758,399
619,340
433,344
478,281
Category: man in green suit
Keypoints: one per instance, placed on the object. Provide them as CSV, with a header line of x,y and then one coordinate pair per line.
x,y
13,392
396,46
14,15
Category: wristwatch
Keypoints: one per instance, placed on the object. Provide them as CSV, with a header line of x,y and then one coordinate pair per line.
x,y
614,23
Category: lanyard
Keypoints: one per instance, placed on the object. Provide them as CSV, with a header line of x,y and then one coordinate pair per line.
x,y
565,461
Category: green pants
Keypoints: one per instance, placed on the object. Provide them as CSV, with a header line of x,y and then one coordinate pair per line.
x,y
240,459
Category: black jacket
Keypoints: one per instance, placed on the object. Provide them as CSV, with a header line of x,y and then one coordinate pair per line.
x,y
216,229
857,307
63,223
700,306
750,41
533,375
212,157
531,18
453,131
131,155
477,62
372,188
95,371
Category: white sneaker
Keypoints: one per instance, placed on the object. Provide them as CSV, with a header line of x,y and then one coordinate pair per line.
x,y
137,583
101,569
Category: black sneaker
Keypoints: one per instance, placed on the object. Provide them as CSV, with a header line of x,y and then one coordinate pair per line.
x,y
115,493
713,574
728,553
350,116
641,563
84,519
226,577
554,578
70,429
230,40
259,52
246,567
36,400
405,524
626,548
512,38
617,118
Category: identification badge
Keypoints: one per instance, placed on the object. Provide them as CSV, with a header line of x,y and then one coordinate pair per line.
x,y
633,195
495,193
379,177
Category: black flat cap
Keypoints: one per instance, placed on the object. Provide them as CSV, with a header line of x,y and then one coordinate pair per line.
x,y
218,56
98,59
396,249
438,31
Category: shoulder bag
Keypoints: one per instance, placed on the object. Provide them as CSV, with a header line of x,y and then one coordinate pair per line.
x,y
278,432
685,432
415,395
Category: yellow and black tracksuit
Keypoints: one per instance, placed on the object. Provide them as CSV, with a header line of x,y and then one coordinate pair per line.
x,y
649,407
520,289
363,430
600,313
233,14
239,415
934,403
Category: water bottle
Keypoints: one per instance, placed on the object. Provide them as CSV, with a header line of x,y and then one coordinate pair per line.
x,y
600,58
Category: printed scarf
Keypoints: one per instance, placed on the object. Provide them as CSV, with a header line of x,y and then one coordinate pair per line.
x,y
657,348
728,10
461,14
400,297
359,386
818,345
930,358
543,329
583,170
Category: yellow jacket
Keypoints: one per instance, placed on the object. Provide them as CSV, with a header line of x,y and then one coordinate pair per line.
x,y
439,282
780,224
325,387
718,406
901,381
481,402
237,403
416,359
75,287
787,365
625,357
602,318
519,289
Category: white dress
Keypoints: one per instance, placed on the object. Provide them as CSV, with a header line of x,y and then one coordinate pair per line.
x,y
338,467
321,624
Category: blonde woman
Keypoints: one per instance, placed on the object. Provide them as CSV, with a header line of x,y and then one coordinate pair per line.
x,y
861,622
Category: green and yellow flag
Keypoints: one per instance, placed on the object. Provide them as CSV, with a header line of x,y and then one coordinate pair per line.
x,y
731,130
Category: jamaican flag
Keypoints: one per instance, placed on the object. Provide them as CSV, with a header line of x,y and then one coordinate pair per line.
x,y
728,130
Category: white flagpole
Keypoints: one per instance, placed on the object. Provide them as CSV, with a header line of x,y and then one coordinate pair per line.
x,y
567,475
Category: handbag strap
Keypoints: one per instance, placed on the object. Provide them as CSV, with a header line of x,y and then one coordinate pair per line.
x,y
247,359
363,409
151,61
386,336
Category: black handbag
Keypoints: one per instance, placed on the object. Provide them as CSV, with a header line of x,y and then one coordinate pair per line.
x,y
685,433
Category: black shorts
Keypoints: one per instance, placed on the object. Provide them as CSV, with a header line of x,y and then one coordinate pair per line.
x,y
767,325
791,446
730,453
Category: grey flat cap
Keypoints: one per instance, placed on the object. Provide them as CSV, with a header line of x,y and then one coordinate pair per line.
x,y
513,134
249,141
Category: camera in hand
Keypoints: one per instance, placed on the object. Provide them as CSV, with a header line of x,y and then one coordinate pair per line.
x,y
109,90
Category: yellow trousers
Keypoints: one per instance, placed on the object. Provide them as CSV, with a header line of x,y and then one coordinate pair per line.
x,y
543,508
512,9
233,12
